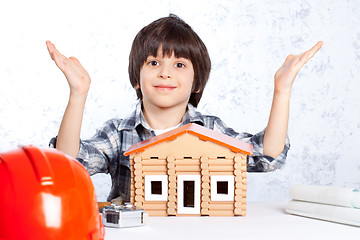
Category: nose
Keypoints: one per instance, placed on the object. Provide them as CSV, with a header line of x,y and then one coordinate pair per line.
x,y
165,72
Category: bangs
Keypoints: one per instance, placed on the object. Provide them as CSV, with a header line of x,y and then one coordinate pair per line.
x,y
171,41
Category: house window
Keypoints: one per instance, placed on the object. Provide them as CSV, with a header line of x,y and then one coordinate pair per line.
x,y
222,188
156,188
188,194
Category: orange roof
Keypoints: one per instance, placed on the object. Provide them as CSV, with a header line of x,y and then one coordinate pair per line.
x,y
203,133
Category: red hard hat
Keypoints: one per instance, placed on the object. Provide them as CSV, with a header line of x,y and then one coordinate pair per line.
x,y
46,195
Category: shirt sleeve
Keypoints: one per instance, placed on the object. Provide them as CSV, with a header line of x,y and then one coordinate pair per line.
x,y
258,161
96,153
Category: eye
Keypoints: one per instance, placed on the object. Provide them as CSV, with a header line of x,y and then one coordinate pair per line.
x,y
180,65
153,63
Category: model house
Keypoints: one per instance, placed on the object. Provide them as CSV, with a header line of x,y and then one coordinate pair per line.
x,y
191,170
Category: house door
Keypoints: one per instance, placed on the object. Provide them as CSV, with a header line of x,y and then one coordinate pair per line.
x,y
188,194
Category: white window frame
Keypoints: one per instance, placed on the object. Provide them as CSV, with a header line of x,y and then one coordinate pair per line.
x,y
222,178
164,188
180,207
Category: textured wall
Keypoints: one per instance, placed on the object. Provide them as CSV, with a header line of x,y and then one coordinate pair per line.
x,y
247,41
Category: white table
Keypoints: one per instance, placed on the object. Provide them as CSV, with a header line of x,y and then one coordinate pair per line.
x,y
263,221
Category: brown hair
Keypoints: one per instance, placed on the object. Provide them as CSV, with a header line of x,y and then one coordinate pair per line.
x,y
174,36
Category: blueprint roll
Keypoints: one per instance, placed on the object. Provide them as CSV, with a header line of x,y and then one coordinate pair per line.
x,y
344,215
345,197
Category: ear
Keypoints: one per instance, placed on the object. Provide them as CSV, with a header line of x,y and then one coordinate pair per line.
x,y
137,87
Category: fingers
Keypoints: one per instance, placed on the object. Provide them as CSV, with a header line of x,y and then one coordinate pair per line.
x,y
315,48
54,53
306,56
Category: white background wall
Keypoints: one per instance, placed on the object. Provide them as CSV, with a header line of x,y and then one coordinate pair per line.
x,y
247,41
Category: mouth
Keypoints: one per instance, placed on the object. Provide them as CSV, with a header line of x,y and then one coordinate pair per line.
x,y
164,87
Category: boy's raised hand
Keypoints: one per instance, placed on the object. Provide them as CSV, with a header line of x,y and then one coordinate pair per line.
x,y
77,77
285,76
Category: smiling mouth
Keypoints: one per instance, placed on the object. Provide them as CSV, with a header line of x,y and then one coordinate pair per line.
x,y
164,87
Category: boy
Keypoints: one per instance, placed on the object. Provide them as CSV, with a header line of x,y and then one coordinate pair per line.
x,y
168,67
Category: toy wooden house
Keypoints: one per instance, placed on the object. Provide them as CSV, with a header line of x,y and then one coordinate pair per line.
x,y
191,170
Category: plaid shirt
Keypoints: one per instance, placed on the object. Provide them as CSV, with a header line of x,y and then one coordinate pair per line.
x,y
104,152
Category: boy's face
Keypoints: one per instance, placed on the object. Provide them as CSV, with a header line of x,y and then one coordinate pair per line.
x,y
166,82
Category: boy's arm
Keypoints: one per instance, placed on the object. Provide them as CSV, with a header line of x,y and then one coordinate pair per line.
x,y
276,130
79,83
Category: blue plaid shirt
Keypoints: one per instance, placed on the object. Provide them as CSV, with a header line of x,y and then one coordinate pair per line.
x,y
104,152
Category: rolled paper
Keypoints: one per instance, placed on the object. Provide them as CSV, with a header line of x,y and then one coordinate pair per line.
x,y
344,215
345,197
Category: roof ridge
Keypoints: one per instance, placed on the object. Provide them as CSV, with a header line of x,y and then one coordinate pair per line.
x,y
203,133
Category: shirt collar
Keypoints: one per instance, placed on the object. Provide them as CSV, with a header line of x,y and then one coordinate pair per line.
x,y
137,118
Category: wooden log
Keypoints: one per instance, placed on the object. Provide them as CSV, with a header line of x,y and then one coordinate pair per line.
x,y
139,191
171,204
138,178
172,191
137,159
238,198
138,185
139,198
204,166
187,173
138,173
205,172
238,159
238,172
238,179
155,173
222,173
171,165
205,192
138,204
172,198
221,168
204,212
187,162
172,185
170,159
205,179
154,162
137,166
221,206
187,168
221,162
241,212
204,159
237,165
157,213
171,211
221,213
238,205
205,185
154,206
172,178
205,205
154,168
205,198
